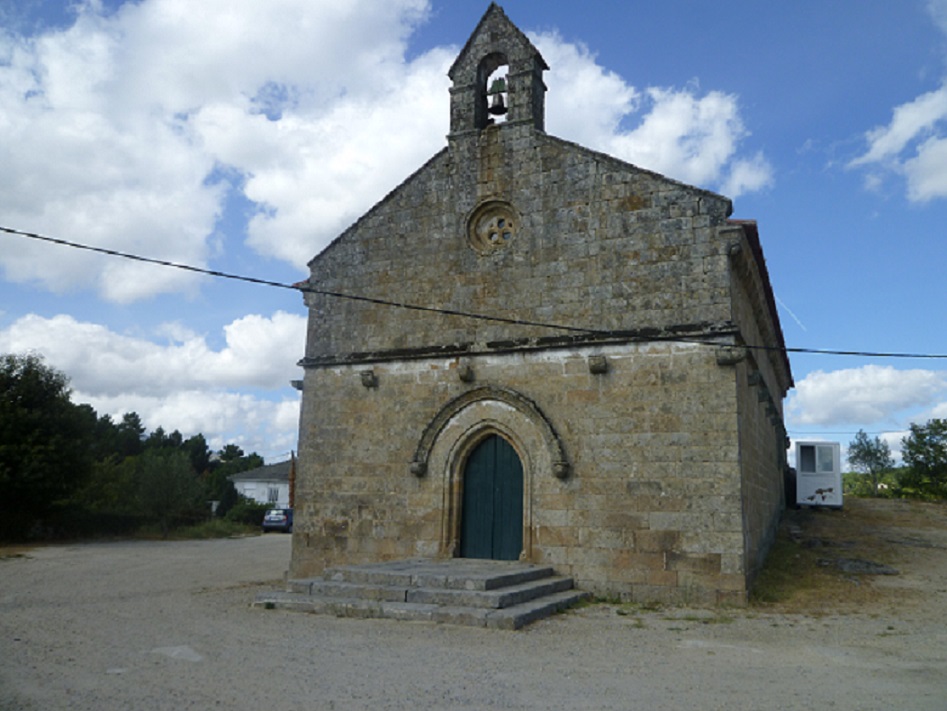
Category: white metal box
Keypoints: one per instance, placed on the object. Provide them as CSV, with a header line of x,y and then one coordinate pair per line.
x,y
818,474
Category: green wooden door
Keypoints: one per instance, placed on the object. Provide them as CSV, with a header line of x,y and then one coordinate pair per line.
x,y
492,518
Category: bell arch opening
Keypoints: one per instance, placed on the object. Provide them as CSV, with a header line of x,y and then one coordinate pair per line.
x,y
493,99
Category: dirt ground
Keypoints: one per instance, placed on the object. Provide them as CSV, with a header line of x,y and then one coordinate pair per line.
x,y
167,625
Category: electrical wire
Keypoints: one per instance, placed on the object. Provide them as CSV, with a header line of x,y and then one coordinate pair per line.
x,y
302,287
306,288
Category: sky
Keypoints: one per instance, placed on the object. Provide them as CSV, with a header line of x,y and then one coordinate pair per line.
x,y
243,135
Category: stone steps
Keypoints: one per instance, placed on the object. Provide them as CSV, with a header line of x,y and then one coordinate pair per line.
x,y
496,594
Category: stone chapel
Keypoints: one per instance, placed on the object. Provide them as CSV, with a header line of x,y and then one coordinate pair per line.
x,y
552,356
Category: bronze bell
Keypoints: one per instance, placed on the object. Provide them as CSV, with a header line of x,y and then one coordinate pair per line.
x,y
497,107
497,89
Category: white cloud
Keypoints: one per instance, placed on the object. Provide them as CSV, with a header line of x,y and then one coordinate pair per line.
x,y
75,169
748,175
683,135
584,102
254,424
912,144
938,12
910,120
101,140
319,167
865,396
260,352
679,133
114,130
181,383
927,171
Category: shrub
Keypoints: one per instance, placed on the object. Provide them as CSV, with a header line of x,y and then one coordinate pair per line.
x,y
247,511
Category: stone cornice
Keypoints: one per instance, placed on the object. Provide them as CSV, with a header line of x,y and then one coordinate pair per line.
x,y
711,333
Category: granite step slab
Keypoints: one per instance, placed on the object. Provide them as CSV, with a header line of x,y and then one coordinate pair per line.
x,y
509,618
493,598
457,574
485,593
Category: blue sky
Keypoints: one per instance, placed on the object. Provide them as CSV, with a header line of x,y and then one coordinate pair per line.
x,y
243,136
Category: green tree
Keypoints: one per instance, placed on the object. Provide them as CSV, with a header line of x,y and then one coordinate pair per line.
x,y
131,434
168,489
198,452
230,452
45,442
871,457
159,439
230,460
112,487
925,455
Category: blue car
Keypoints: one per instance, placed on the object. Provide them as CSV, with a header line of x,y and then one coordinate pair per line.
x,y
278,520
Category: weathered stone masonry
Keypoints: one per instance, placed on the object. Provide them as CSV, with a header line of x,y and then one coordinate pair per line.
x,y
651,442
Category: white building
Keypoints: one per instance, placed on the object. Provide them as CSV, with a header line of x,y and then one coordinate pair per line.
x,y
268,484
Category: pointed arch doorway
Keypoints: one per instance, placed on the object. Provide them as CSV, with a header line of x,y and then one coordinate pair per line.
x,y
491,522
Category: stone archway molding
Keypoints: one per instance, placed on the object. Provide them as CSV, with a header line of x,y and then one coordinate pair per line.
x,y
462,424
498,405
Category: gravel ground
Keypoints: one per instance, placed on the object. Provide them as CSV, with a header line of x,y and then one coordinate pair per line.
x,y
167,625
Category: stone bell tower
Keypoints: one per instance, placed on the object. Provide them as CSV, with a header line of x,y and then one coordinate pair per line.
x,y
498,67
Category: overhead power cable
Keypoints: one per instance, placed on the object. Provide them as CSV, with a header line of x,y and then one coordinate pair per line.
x,y
295,287
306,288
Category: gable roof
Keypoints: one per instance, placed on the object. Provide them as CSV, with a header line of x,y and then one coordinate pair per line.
x,y
588,153
751,230
270,473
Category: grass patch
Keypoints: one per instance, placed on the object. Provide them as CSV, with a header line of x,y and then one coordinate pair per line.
x,y
212,528
703,619
706,618
631,611
799,575
790,572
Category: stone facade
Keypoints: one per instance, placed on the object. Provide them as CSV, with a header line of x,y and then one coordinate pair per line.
x,y
631,355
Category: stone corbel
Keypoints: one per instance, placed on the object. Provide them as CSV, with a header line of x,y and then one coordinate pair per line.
x,y
561,469
465,372
730,355
598,364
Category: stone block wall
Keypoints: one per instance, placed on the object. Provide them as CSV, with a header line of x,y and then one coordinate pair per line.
x,y
597,245
651,508
763,460
762,380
